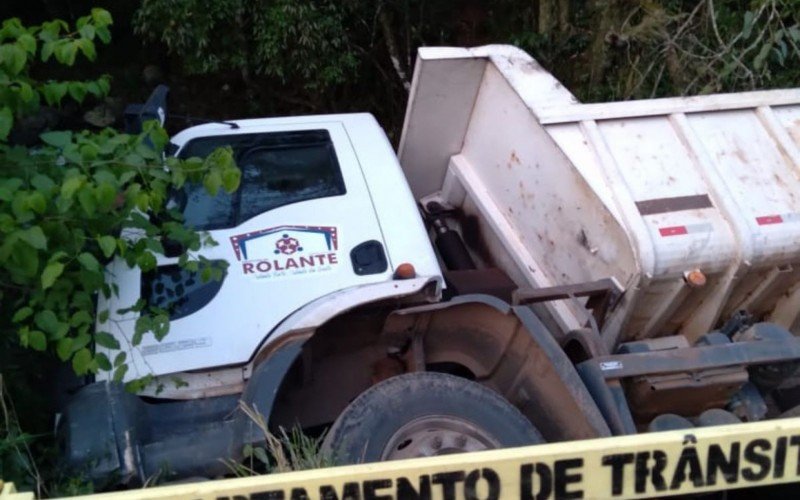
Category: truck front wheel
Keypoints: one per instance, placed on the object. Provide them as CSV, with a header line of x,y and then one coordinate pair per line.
x,y
425,414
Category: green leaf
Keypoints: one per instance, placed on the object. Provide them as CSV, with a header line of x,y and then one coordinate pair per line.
x,y
12,58
87,31
747,27
230,179
758,62
50,30
27,261
106,194
37,340
87,47
146,261
102,361
54,92
42,182
120,372
20,207
89,261
58,139
65,52
34,236
8,187
103,316
36,202
64,348
22,314
26,93
77,90
212,182
51,274
6,121
141,327
107,244
101,17
80,318
27,43
120,359
69,187
47,321
104,34
160,326
87,201
106,340
104,82
80,341
81,361
47,47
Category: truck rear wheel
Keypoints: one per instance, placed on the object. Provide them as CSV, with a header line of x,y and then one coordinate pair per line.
x,y
425,414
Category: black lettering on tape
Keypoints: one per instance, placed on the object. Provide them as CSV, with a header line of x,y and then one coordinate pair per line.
x,y
564,478
268,495
645,474
763,461
728,465
492,481
617,463
527,485
350,491
406,491
299,494
371,486
780,457
688,468
448,481
795,441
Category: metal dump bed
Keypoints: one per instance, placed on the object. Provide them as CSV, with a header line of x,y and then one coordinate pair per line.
x,y
557,192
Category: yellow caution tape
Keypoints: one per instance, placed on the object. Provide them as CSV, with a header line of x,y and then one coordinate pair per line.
x,y
641,466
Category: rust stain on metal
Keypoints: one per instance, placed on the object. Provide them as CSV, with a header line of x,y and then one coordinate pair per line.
x,y
741,155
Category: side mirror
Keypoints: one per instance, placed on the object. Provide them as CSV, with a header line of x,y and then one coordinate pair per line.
x,y
154,109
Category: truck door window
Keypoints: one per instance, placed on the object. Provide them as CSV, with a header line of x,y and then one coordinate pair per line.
x,y
277,169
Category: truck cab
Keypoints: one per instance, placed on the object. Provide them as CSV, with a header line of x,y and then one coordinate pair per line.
x,y
322,210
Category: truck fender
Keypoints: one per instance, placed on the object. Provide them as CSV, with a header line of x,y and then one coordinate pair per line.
x,y
549,389
281,348
315,314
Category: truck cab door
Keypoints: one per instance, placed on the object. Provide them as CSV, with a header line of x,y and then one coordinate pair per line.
x,y
301,226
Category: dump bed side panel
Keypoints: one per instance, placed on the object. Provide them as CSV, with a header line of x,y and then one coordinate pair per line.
x,y
651,193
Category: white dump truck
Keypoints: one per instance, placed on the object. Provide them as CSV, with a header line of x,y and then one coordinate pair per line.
x,y
525,268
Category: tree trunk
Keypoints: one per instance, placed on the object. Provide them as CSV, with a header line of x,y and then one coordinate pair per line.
x,y
606,15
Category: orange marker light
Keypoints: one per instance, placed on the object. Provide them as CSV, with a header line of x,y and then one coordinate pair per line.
x,y
695,278
405,271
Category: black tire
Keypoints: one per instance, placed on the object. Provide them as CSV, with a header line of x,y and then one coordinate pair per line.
x,y
369,426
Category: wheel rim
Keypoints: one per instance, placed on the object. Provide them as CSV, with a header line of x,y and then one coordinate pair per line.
x,y
436,435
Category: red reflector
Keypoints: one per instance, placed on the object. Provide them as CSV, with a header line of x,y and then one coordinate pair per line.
x,y
769,219
673,231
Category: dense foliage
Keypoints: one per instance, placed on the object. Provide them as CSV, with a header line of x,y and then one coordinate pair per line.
x,y
66,203
359,55
72,202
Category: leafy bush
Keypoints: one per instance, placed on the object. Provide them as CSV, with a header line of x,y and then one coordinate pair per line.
x,y
77,200
281,38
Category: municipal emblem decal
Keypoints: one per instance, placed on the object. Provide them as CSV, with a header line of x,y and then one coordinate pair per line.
x,y
287,250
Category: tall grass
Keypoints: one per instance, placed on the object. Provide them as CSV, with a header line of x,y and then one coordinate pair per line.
x,y
284,452
17,462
